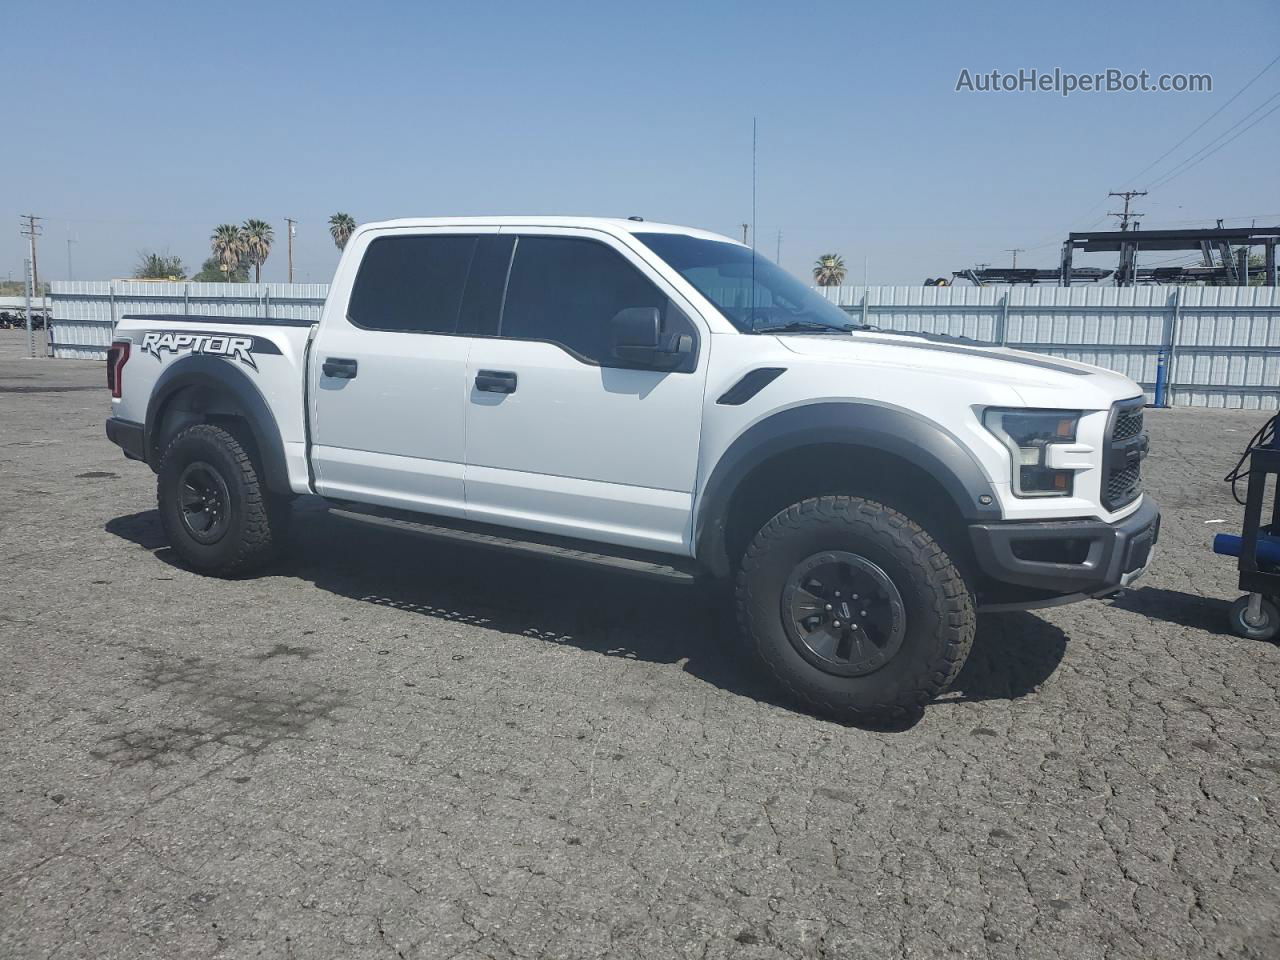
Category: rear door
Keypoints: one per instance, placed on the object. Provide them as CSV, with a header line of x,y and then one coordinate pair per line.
x,y
561,437
387,385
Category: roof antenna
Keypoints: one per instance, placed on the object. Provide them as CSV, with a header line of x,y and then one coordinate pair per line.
x,y
753,223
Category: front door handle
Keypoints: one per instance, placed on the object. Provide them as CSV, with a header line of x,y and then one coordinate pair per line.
x,y
496,381
340,368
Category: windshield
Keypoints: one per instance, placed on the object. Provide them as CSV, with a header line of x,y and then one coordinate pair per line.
x,y
754,294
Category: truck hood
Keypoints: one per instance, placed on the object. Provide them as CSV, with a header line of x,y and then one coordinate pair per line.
x,y
1040,381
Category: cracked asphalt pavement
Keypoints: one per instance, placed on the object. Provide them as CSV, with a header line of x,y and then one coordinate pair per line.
x,y
388,748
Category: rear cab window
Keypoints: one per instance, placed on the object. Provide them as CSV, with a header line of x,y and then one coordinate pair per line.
x,y
412,284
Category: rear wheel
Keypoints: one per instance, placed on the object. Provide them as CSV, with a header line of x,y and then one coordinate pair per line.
x,y
854,608
218,515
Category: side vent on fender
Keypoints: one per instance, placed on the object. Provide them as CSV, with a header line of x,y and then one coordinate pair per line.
x,y
751,383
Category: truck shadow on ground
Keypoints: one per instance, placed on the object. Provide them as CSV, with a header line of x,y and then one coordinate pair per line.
x,y
1173,606
595,610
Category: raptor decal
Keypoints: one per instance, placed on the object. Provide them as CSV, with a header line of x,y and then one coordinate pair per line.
x,y
233,346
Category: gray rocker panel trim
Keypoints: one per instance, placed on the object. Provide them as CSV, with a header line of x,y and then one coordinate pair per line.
x,y
221,377
856,423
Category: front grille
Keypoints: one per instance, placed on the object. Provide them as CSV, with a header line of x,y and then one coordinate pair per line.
x,y
1128,424
1126,448
1124,485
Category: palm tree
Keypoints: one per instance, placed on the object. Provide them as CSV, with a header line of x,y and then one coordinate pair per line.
x,y
342,226
257,236
829,270
228,246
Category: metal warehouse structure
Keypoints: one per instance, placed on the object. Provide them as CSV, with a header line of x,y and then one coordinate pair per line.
x,y
1231,244
1189,346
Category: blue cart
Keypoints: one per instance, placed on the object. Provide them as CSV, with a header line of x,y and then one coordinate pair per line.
x,y
1257,614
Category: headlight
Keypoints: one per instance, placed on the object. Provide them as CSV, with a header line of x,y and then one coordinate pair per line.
x,y
1027,434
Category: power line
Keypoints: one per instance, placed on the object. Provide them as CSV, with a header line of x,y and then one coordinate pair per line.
x,y
1205,121
1200,154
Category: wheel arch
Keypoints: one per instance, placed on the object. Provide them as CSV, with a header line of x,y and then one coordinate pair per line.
x,y
832,447
204,389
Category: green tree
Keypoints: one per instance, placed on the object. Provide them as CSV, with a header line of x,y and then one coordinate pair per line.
x,y
341,227
829,270
257,236
159,266
211,272
228,246
1257,270
16,288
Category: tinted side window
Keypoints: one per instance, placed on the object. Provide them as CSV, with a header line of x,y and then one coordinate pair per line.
x,y
411,284
567,290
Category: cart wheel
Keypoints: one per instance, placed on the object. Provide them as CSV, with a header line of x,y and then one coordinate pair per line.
x,y
1268,625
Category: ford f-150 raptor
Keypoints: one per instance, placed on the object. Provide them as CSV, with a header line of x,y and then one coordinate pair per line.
x,y
660,399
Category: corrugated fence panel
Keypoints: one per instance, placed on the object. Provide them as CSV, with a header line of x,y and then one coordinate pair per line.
x,y
1227,352
85,312
1220,345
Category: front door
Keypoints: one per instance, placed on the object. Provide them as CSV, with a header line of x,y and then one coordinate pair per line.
x,y
561,437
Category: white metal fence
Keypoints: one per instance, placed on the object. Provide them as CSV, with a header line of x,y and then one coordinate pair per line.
x,y
1190,346
85,311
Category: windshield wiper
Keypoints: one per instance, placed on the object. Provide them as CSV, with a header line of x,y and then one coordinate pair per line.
x,y
803,326
934,337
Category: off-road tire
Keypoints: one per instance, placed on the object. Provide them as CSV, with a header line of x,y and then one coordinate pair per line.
x,y
256,521
938,606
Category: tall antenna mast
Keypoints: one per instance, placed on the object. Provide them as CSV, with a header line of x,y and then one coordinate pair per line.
x,y
753,223
753,183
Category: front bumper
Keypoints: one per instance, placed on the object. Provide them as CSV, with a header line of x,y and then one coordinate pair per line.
x,y
129,437
1039,563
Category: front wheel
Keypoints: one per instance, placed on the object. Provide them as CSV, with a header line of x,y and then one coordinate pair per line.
x,y
216,511
854,608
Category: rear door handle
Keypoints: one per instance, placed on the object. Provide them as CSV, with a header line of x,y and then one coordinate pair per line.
x,y
340,368
496,381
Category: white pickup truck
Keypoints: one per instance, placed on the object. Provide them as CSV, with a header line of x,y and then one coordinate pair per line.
x,y
659,399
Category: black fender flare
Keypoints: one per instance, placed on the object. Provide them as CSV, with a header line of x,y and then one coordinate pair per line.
x,y
894,430
222,379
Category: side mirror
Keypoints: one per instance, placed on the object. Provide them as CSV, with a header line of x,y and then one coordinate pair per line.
x,y
638,339
637,332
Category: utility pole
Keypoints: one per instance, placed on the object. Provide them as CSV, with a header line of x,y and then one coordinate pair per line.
x,y
32,229
1015,251
777,257
70,241
745,227
26,288
291,231
1126,216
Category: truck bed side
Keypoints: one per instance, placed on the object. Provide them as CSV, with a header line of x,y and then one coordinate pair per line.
x,y
184,369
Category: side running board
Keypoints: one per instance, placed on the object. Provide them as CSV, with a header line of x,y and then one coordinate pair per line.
x,y
642,563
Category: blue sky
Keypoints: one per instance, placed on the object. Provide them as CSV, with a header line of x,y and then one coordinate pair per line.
x,y
149,124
